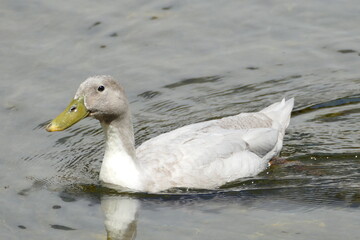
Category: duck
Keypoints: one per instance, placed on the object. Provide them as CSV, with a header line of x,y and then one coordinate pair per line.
x,y
204,155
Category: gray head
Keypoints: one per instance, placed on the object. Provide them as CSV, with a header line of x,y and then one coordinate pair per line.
x,y
100,97
104,97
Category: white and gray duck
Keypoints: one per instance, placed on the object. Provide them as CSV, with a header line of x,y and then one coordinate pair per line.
x,y
203,155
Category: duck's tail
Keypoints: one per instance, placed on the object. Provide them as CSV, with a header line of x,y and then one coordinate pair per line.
x,y
280,112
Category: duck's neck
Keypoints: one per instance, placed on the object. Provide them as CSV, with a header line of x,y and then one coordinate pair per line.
x,y
119,166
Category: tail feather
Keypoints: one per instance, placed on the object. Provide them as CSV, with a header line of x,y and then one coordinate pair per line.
x,y
280,112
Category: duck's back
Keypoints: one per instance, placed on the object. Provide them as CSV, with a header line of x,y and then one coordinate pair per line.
x,y
209,154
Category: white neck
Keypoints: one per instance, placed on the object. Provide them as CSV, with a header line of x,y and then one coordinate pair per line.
x,y
119,166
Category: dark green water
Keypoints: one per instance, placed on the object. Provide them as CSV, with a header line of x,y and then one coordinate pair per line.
x,y
181,62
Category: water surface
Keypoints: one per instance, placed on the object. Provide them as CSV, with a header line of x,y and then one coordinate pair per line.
x,y
181,62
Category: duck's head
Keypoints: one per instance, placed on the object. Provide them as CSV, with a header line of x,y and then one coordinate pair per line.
x,y
100,97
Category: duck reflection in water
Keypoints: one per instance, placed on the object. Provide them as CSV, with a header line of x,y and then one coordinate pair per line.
x,y
120,217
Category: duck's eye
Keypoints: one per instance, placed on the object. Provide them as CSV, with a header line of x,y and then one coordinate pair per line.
x,y
101,88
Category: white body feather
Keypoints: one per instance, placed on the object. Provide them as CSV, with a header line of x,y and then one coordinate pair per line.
x,y
202,155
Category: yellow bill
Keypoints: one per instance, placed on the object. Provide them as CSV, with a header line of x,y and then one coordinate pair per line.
x,y
71,115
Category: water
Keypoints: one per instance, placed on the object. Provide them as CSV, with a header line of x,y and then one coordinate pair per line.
x,y
181,62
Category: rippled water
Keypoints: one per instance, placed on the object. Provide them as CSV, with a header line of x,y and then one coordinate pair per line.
x,y
181,62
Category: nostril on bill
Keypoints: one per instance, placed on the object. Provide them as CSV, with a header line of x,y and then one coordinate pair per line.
x,y
73,109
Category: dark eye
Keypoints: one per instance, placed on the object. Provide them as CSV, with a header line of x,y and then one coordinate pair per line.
x,y
101,88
